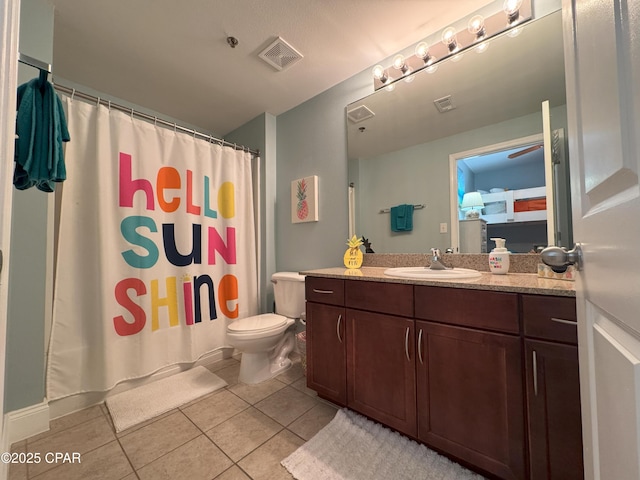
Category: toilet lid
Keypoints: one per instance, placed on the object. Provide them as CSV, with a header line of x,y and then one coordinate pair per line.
x,y
258,323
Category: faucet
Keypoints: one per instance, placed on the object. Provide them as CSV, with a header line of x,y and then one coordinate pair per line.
x,y
435,260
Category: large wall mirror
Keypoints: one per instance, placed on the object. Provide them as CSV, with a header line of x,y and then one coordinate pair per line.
x,y
488,139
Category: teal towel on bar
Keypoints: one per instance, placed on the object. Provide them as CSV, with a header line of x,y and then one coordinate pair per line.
x,y
41,128
402,218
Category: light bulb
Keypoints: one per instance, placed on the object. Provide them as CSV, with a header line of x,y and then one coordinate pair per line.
x,y
422,50
481,47
449,39
514,32
476,26
379,72
398,62
512,9
511,6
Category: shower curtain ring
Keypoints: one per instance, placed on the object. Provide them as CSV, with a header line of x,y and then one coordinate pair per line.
x,y
132,114
73,92
109,106
98,102
155,121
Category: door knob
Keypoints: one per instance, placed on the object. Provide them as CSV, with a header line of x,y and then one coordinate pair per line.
x,y
559,257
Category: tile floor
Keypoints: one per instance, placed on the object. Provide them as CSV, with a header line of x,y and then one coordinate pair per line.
x,y
237,433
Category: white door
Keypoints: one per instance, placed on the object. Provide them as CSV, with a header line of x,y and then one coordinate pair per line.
x,y
602,55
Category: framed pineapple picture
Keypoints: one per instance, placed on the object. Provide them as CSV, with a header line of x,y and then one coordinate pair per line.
x,y
304,200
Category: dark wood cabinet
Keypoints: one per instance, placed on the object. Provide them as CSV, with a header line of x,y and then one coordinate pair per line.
x,y
553,388
381,376
471,373
470,396
326,347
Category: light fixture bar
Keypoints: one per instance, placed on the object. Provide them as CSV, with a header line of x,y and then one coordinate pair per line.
x,y
494,25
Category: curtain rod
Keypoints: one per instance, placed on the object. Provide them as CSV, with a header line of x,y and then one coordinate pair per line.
x,y
34,62
151,118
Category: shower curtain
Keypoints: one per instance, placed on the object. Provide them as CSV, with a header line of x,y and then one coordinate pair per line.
x,y
156,250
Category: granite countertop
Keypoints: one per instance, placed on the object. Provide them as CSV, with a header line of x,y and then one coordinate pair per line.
x,y
511,282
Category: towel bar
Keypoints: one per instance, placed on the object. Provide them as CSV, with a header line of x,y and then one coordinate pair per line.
x,y
415,207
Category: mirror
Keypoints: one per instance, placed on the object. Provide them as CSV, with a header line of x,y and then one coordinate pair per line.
x,y
400,154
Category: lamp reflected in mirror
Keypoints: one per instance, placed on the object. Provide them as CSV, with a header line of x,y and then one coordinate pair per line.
x,y
472,204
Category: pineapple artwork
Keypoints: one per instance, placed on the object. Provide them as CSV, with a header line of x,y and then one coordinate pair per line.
x,y
353,256
304,200
302,207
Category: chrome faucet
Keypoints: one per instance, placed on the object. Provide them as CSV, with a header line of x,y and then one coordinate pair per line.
x,y
436,264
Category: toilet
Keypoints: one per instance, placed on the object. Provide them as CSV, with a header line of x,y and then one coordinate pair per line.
x,y
267,340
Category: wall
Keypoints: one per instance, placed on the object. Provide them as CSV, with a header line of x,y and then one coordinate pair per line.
x,y
260,134
30,272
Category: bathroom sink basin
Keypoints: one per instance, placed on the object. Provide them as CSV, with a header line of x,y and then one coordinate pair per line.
x,y
423,273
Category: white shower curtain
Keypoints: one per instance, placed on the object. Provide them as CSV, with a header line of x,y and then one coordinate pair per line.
x,y
156,250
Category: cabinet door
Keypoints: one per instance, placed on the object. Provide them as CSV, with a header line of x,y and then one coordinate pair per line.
x,y
553,397
381,368
326,359
470,397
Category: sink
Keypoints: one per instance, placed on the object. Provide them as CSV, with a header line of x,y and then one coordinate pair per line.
x,y
423,273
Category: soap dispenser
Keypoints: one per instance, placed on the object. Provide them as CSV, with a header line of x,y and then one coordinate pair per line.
x,y
499,258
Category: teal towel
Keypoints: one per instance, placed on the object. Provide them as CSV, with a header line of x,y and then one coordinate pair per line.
x,y
402,218
41,128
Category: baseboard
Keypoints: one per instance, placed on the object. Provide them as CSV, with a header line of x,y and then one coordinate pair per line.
x,y
67,405
25,423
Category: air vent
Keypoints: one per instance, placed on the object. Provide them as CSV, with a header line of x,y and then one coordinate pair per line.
x,y
444,104
280,55
359,114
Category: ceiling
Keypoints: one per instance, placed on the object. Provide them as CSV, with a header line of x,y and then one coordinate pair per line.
x,y
173,57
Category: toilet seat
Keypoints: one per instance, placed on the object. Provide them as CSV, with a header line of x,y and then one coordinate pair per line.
x,y
258,324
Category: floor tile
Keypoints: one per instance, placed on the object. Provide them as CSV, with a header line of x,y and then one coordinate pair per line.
x,y
313,421
243,433
215,409
219,365
301,385
294,373
78,439
264,462
68,421
18,471
104,463
229,374
158,438
286,405
199,459
234,473
254,393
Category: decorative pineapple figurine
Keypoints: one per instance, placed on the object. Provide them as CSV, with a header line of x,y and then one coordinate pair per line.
x,y
302,208
353,255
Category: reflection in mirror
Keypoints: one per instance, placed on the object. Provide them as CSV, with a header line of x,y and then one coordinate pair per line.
x,y
399,155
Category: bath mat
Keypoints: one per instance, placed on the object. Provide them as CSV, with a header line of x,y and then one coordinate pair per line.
x,y
355,448
148,401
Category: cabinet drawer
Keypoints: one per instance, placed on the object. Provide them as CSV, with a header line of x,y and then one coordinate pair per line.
x,y
470,308
324,290
550,318
381,297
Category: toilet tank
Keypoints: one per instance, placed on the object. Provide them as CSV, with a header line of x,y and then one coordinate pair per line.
x,y
288,289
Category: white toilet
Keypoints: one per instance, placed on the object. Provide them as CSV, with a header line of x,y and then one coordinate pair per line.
x,y
266,340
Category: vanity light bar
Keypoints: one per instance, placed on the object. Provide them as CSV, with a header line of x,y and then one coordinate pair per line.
x,y
494,25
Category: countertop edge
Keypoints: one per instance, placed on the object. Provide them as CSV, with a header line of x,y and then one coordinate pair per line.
x,y
511,283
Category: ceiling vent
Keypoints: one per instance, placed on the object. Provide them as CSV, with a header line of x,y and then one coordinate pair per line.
x,y
444,104
280,55
359,114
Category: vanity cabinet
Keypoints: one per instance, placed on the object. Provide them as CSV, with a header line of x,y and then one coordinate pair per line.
x,y
381,376
326,347
469,379
488,378
553,388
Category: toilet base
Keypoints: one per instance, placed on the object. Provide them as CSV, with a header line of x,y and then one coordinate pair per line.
x,y
258,367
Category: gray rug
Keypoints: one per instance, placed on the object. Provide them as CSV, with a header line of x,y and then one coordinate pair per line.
x,y
148,401
351,447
